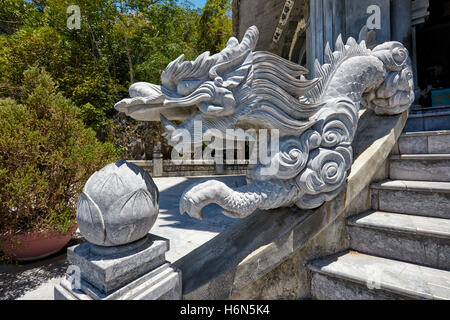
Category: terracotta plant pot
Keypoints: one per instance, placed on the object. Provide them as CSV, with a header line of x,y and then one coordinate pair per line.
x,y
34,245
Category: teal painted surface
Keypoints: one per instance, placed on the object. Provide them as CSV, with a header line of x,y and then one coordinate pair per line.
x,y
440,97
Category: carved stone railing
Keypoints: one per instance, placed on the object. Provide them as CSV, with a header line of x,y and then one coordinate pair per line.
x,y
265,254
316,120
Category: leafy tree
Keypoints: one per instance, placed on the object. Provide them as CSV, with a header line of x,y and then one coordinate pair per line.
x,y
41,46
118,43
215,25
58,87
46,156
17,13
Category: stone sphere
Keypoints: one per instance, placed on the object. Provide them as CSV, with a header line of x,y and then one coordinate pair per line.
x,y
119,204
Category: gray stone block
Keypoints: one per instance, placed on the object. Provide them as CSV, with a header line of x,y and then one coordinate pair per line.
x,y
413,144
431,199
329,288
108,273
374,199
163,283
437,121
414,124
431,142
428,121
419,203
439,143
157,169
420,167
421,240
381,278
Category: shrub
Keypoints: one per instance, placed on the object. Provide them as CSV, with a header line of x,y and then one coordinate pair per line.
x,y
46,156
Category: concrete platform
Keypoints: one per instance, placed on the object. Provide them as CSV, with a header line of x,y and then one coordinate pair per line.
x,y
35,280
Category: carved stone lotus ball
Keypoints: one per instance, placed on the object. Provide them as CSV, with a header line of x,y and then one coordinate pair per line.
x,y
118,205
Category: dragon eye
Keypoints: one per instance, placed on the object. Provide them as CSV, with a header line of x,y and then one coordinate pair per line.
x,y
186,87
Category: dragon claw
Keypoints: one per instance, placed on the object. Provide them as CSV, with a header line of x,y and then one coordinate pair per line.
x,y
188,205
200,195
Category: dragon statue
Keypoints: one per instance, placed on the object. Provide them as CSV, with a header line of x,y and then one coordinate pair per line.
x,y
316,118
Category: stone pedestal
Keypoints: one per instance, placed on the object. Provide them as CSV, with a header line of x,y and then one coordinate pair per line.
x,y
157,170
219,168
135,271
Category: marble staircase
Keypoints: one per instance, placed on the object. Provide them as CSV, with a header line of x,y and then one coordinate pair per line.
x,y
401,248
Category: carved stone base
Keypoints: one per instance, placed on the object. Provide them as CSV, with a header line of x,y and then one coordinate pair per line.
x,y
136,271
163,283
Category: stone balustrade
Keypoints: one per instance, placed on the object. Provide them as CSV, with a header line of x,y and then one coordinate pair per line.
x,y
169,168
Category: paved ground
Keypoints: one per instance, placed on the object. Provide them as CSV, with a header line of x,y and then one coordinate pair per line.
x,y
35,280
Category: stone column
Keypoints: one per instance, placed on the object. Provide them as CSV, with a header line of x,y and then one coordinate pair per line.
x,y
326,23
419,13
120,260
219,168
157,170
413,54
401,22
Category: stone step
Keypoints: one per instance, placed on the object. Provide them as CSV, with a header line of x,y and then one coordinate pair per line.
x,y
424,142
421,240
354,275
423,198
422,167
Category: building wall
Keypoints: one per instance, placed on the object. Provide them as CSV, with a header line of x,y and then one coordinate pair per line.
x,y
310,24
282,20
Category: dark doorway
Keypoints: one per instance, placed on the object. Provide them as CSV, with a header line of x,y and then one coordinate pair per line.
x,y
433,51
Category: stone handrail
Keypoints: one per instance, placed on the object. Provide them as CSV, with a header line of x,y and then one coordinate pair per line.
x,y
239,262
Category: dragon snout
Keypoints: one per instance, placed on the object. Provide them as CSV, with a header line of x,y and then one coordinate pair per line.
x,y
394,94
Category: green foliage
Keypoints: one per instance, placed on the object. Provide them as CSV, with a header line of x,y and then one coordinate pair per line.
x,y
42,46
119,42
215,25
58,88
46,156
17,13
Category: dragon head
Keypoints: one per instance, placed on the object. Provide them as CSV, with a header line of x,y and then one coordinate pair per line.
x,y
396,93
205,89
235,88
